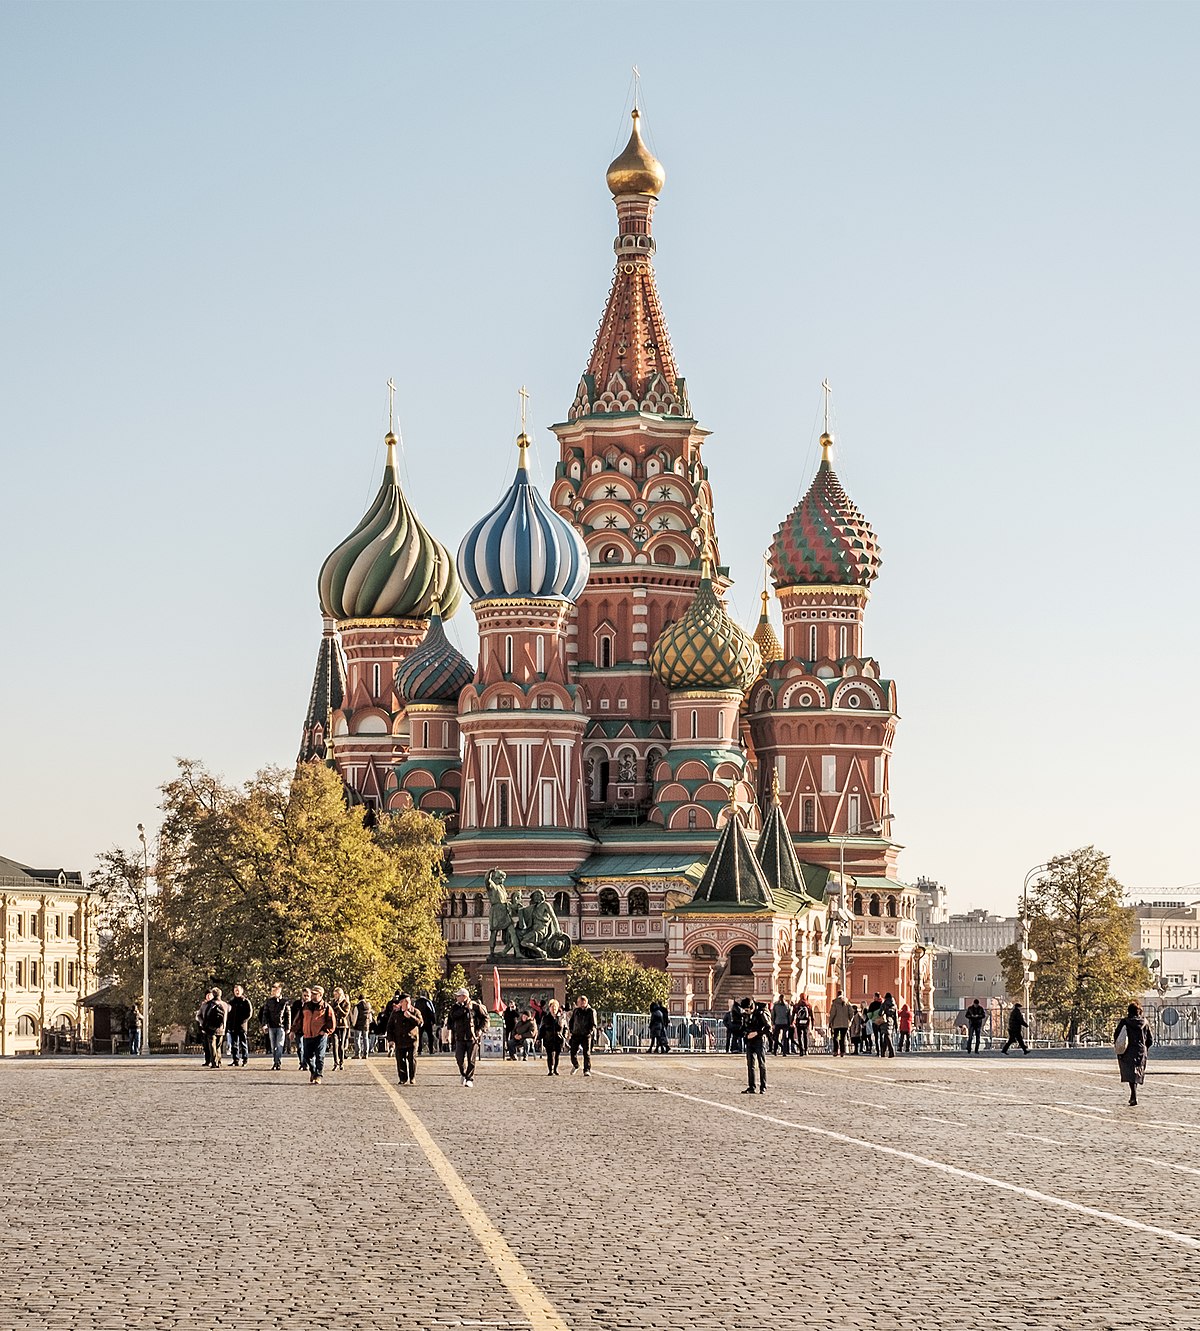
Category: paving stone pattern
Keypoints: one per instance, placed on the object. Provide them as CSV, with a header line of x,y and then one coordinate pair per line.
x,y
158,1194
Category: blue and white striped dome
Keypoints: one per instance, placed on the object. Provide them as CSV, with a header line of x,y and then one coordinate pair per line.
x,y
523,548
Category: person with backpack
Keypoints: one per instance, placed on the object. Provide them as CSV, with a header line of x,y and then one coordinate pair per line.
x,y
801,1024
238,1024
756,1030
275,1017
467,1020
212,1015
312,1026
781,1026
360,1026
883,1034
904,1030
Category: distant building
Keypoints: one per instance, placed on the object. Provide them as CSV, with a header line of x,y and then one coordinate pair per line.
x,y
965,964
1166,935
47,954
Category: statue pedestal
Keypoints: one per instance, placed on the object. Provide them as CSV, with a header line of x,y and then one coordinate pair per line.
x,y
520,981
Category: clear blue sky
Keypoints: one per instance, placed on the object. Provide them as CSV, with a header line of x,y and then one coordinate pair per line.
x,y
226,225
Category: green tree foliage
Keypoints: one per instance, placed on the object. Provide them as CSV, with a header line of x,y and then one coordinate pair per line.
x,y
278,880
614,981
1080,932
446,985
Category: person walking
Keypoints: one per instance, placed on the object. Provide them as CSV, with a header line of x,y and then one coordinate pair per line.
x,y
1131,1049
467,1020
904,1029
582,1027
975,1015
756,1030
883,1035
275,1017
238,1025
404,1031
429,1021
339,1000
509,1016
801,1024
870,1030
552,1034
857,1027
212,1024
313,1024
297,1042
1017,1025
658,1029
839,1024
781,1026
360,1027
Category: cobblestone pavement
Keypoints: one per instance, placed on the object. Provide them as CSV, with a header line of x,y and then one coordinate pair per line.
x,y
921,1193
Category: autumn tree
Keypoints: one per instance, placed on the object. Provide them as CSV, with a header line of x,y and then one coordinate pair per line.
x,y
276,880
614,981
1080,932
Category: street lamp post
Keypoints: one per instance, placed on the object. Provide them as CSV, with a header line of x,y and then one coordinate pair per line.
x,y
1028,956
145,941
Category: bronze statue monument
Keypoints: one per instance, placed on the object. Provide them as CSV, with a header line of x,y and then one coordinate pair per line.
x,y
521,932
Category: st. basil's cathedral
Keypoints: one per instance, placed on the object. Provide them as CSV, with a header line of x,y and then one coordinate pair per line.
x,y
711,800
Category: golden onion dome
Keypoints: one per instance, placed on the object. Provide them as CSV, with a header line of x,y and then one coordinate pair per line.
x,y
764,635
637,170
705,648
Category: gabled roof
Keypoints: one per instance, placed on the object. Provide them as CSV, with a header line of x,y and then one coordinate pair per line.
x,y
777,855
733,876
22,877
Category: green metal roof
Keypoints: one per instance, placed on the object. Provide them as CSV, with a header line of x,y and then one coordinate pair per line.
x,y
476,880
641,866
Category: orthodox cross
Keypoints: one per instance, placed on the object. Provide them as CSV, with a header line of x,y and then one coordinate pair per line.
x,y
637,85
826,390
523,394
391,387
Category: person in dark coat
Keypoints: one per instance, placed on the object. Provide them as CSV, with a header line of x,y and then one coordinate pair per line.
x,y
1016,1026
976,1014
756,1030
1132,1061
552,1033
424,1006
403,1029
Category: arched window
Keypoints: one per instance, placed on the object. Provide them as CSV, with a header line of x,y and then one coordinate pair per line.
x,y
741,960
695,724
891,908
478,903
26,1026
858,903
508,654
541,653
562,904
721,724
462,903
610,903
664,555
874,904
605,660
639,901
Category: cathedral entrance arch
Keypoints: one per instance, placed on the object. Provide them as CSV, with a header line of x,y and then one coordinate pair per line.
x,y
741,959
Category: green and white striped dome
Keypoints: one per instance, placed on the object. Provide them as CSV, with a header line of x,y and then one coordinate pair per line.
x,y
389,567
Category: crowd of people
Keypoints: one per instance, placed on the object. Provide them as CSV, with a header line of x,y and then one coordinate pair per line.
x,y
315,1029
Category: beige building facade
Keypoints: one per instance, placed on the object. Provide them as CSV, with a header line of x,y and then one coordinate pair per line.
x,y
48,941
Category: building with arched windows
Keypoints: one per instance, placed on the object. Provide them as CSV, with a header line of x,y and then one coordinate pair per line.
x,y
621,743
48,923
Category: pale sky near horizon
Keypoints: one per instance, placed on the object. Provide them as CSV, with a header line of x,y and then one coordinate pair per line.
x,y
226,225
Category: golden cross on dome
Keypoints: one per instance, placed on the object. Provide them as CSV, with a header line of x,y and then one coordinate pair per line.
x,y
826,390
523,394
637,85
391,388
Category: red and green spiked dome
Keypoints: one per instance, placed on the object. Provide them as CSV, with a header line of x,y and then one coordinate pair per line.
x,y
389,567
706,648
825,540
437,672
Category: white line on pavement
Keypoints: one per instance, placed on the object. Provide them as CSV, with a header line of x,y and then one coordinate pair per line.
x,y
1166,1164
1076,1105
946,1122
925,1162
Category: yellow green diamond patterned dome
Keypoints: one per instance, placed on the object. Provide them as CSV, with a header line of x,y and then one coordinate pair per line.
x,y
705,648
